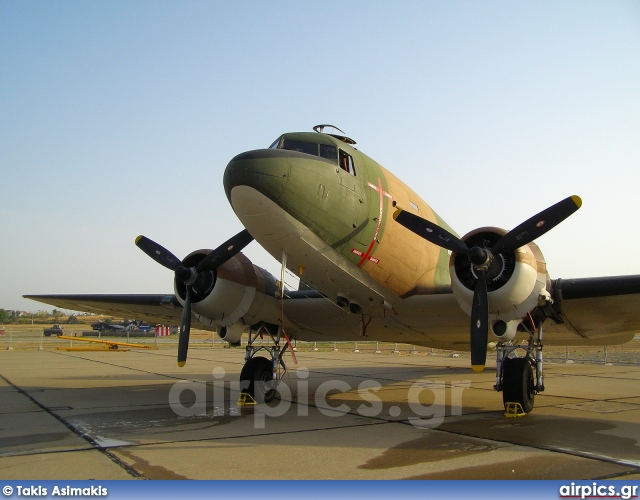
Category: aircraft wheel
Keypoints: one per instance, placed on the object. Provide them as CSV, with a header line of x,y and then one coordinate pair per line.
x,y
517,383
256,379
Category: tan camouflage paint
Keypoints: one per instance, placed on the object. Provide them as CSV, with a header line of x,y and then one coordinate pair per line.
x,y
401,260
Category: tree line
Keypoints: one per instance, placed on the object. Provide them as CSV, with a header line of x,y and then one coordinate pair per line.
x,y
40,318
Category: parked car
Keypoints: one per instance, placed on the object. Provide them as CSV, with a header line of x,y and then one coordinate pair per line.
x,y
54,330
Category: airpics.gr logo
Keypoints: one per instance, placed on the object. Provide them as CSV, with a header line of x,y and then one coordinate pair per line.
x,y
595,490
428,401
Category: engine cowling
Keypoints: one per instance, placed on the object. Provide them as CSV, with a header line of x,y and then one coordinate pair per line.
x,y
235,295
516,281
231,334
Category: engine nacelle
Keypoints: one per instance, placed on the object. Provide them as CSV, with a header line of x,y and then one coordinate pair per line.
x,y
515,281
235,295
233,333
505,331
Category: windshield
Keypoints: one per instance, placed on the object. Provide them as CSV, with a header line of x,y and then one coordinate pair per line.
x,y
311,148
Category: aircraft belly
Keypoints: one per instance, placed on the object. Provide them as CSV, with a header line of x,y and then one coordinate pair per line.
x,y
324,268
321,320
434,320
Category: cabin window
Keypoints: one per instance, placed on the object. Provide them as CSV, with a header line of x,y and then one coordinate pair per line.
x,y
346,163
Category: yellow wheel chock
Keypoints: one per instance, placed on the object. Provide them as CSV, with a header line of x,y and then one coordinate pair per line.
x,y
246,400
513,410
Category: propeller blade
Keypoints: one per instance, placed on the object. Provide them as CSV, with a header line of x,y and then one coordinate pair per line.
x,y
479,323
537,225
185,329
225,251
430,231
158,253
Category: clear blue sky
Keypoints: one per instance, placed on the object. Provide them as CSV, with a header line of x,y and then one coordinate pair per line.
x,y
118,118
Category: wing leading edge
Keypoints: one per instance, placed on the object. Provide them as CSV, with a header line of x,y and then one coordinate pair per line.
x,y
154,308
586,311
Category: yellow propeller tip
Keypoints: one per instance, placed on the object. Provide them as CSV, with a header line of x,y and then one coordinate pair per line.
x,y
577,200
181,363
477,368
138,239
397,213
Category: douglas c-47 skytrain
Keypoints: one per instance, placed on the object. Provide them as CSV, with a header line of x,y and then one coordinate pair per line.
x,y
376,263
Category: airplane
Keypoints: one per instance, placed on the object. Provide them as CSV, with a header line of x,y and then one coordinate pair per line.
x,y
377,263
102,326
119,327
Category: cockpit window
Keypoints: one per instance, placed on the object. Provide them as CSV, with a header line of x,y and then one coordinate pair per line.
x,y
323,150
275,144
328,152
311,148
301,146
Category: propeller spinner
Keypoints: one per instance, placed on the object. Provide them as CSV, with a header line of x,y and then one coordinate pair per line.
x,y
192,277
481,258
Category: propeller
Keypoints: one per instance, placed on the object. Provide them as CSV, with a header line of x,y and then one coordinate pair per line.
x,y
481,258
194,278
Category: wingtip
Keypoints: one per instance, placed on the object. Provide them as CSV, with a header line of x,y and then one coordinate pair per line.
x,y
577,200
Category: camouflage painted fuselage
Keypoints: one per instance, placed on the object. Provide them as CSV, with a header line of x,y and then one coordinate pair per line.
x,y
342,201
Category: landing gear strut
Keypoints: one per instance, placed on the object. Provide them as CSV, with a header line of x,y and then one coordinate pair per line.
x,y
514,375
260,375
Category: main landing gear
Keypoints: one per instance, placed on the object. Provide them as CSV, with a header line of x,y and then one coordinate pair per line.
x,y
515,375
260,375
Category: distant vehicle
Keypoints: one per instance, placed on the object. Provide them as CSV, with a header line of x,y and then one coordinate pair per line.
x,y
54,330
102,326
124,326
142,326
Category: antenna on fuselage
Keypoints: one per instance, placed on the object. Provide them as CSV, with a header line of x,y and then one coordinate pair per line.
x,y
320,130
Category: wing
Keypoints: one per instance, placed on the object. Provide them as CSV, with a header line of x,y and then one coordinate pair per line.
x,y
154,308
586,311
603,310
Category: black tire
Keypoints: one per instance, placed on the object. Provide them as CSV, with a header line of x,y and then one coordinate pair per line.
x,y
256,379
517,383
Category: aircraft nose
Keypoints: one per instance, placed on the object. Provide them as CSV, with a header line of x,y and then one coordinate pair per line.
x,y
265,170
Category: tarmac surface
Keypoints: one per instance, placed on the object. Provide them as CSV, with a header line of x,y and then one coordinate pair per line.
x,y
341,415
